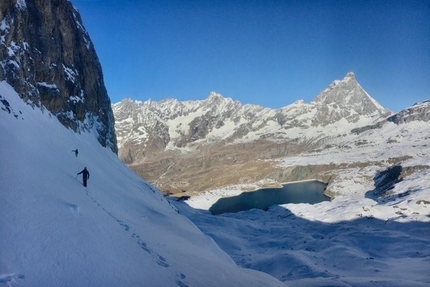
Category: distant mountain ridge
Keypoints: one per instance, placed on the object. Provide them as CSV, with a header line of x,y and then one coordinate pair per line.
x,y
418,112
169,142
171,124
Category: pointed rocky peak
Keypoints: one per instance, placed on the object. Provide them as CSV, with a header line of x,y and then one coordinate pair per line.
x,y
215,98
126,105
346,99
214,95
218,103
339,89
349,76
124,101
348,94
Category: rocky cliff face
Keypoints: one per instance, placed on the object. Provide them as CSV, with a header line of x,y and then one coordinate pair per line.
x,y
215,142
49,59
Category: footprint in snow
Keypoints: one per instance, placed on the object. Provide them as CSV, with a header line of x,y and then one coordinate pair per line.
x,y
159,259
126,227
162,261
181,284
144,246
162,264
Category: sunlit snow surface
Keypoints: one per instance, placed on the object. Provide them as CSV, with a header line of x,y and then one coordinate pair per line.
x,y
119,232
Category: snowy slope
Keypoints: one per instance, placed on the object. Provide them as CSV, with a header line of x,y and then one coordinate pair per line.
x,y
325,244
118,232
357,239
365,236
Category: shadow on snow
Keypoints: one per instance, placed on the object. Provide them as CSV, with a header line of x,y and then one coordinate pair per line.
x,y
292,248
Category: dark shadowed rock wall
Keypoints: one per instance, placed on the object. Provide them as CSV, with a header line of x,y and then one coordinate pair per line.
x,y
48,57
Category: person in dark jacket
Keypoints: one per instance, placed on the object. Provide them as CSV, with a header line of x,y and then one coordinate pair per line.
x,y
85,175
76,152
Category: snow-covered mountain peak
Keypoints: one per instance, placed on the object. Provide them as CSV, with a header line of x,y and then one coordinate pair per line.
x,y
216,101
346,99
340,91
155,126
349,75
214,95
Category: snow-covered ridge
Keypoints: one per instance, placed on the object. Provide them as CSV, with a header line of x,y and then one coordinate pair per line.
x,y
219,109
217,118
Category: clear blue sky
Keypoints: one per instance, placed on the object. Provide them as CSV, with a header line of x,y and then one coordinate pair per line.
x,y
269,53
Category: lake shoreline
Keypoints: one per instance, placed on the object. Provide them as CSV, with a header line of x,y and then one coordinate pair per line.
x,y
305,191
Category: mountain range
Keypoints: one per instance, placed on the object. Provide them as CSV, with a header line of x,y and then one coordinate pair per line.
x,y
184,146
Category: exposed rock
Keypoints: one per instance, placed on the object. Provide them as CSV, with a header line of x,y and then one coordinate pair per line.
x,y
346,99
48,58
385,180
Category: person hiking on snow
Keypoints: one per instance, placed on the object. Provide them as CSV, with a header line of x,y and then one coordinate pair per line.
x,y
85,175
76,152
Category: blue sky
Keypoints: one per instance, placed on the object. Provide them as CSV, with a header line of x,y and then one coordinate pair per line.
x,y
269,53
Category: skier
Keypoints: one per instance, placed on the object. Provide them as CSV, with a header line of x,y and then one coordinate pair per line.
x,y
76,152
85,175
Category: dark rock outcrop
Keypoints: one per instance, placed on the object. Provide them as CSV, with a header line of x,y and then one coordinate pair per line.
x,y
48,57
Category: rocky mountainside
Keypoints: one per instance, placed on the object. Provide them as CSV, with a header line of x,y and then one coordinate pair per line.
x,y
47,56
170,124
346,99
199,145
